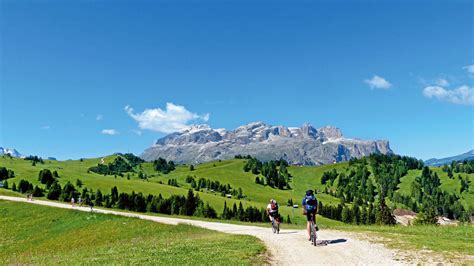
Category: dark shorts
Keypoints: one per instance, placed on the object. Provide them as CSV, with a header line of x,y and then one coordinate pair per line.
x,y
273,214
310,215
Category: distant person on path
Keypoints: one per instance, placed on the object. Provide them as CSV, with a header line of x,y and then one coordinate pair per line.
x,y
80,202
91,204
310,208
272,210
72,201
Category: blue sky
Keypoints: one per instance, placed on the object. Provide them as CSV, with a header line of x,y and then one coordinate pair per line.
x,y
398,71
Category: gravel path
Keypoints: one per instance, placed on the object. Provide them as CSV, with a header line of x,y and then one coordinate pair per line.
x,y
290,247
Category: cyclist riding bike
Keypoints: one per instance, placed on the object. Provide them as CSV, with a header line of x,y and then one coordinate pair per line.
x,y
272,210
310,208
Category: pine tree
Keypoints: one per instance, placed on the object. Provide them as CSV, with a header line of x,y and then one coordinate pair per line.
x,y
346,216
190,205
98,198
384,214
225,211
241,213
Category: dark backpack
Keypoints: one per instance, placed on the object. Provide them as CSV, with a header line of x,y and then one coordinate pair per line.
x,y
311,202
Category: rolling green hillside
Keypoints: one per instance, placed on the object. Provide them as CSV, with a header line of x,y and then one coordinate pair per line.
x,y
43,235
226,172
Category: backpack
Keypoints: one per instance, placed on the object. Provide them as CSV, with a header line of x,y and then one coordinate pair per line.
x,y
274,206
311,202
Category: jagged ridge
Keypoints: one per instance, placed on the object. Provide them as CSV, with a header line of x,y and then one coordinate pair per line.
x,y
304,145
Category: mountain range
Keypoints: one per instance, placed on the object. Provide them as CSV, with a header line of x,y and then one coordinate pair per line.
x,y
465,156
304,145
12,152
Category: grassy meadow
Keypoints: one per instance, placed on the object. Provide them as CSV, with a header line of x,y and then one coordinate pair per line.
x,y
33,234
226,172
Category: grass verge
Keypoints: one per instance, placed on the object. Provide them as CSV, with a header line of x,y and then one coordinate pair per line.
x,y
34,234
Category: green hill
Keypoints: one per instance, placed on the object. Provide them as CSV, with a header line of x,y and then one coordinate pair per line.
x,y
43,235
229,172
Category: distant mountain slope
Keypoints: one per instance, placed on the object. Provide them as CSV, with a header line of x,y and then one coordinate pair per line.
x,y
465,156
305,145
12,152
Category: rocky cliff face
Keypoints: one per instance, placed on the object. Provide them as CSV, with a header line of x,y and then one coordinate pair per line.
x,y
305,145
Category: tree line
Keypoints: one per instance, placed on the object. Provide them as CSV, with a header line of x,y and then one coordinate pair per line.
x,y
465,166
117,167
190,205
6,173
432,201
365,213
34,159
208,184
163,166
275,173
366,193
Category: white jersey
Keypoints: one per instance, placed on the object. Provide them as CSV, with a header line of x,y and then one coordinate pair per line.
x,y
269,208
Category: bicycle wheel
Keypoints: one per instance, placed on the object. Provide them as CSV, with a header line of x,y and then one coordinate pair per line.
x,y
315,236
278,228
273,227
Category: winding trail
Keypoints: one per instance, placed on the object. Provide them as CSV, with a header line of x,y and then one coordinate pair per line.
x,y
290,247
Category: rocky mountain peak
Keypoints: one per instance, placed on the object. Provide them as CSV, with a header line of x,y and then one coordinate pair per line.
x,y
298,145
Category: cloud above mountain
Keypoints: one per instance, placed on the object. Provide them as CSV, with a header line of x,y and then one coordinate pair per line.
x,y
173,118
377,82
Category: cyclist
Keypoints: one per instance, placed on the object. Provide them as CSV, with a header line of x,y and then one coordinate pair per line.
x,y
310,208
272,210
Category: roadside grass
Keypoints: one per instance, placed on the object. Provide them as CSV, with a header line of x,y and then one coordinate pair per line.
x,y
33,234
449,241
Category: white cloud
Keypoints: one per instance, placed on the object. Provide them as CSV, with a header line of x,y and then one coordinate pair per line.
x,y
138,132
174,118
442,82
46,127
469,69
377,82
99,117
462,95
109,132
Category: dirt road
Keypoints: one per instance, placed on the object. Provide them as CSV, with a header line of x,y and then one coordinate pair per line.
x,y
290,247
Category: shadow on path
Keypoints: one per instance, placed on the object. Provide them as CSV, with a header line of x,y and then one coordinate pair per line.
x,y
327,242
286,233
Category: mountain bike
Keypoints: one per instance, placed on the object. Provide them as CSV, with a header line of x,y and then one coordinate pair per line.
x,y
314,230
275,225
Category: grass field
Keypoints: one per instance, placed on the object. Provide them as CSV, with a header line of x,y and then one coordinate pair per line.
x,y
43,235
226,172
